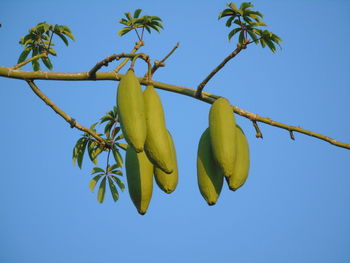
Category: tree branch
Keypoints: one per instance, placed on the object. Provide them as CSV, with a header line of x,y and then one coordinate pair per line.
x,y
73,123
216,70
206,97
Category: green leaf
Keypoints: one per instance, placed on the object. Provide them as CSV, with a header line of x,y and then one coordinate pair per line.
x,y
115,132
113,189
119,182
91,149
245,5
47,63
117,157
102,191
117,172
94,181
263,43
106,118
137,13
233,32
253,36
35,62
229,21
271,45
120,136
107,129
96,170
23,55
122,145
124,31
80,150
64,39
241,37
113,167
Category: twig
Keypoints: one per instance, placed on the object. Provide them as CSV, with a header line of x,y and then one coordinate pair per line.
x,y
29,60
107,60
257,129
73,123
206,97
138,45
158,64
216,70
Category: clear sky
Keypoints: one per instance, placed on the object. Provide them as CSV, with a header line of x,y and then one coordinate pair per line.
x,y
294,206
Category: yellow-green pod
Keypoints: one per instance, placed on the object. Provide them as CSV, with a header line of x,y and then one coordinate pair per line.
x,y
157,145
131,110
222,126
168,182
139,174
242,163
209,175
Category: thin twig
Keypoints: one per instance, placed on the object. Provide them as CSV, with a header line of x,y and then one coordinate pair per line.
x,y
107,60
138,45
29,60
73,123
257,129
216,70
158,64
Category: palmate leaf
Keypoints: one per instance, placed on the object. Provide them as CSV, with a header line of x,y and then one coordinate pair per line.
x,y
113,189
137,13
102,191
233,32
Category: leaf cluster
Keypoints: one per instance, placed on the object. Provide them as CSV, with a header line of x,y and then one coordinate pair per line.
x,y
134,22
39,41
112,136
247,25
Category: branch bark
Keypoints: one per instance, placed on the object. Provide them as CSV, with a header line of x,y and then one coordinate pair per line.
x,y
206,97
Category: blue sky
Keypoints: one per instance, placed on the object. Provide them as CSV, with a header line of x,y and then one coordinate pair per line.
x,y
294,206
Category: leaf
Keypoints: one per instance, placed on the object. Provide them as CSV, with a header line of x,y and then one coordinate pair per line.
x,y
241,37
253,36
124,30
107,129
113,167
119,182
102,191
271,45
117,172
229,21
113,189
245,5
117,157
120,136
64,39
106,118
80,151
47,63
97,170
35,62
137,13
233,32
122,145
23,55
94,181
115,132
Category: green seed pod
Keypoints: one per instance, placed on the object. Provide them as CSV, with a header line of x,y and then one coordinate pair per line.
x,y
168,182
131,110
222,126
241,170
157,145
139,174
209,175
